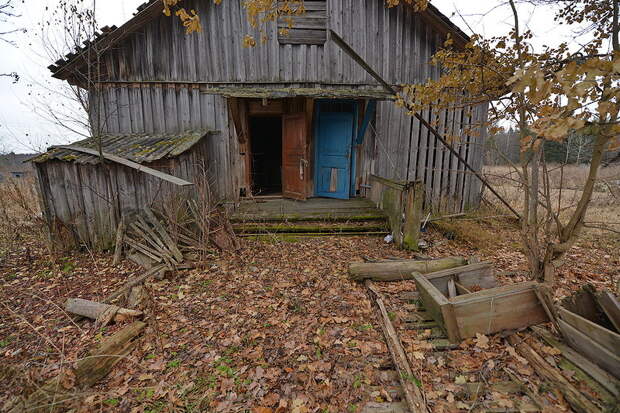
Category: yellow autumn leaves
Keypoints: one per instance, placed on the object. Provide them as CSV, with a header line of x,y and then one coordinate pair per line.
x,y
191,20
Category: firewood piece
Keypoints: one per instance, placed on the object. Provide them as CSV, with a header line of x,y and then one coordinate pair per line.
x,y
94,310
413,395
90,370
135,281
400,270
574,397
118,248
611,307
164,234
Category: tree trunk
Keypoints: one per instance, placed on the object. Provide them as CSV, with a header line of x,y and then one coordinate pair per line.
x,y
400,270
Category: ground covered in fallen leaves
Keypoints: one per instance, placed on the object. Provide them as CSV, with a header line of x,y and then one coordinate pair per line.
x,y
273,327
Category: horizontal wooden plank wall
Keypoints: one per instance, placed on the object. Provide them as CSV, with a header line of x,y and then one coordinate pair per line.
x,y
388,38
85,201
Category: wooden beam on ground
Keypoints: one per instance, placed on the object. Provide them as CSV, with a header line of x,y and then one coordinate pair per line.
x,y
90,369
138,280
413,394
400,270
574,397
130,164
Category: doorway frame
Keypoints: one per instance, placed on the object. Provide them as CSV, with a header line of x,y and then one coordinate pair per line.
x,y
353,167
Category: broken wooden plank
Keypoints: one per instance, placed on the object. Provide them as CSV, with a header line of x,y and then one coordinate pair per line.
x,y
94,310
606,359
610,305
574,397
134,282
152,254
608,381
413,394
172,246
130,164
601,335
400,270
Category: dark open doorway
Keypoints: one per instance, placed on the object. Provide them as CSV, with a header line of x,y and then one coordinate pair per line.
x,y
266,133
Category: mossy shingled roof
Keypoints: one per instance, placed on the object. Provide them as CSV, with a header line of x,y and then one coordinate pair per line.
x,y
140,148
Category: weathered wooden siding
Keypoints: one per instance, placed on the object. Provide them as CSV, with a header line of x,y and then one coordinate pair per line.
x,y
160,80
83,202
389,39
397,147
173,109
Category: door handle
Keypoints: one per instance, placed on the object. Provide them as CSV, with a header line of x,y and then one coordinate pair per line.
x,y
302,165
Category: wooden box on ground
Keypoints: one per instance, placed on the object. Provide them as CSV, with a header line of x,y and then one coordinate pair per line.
x,y
466,300
587,322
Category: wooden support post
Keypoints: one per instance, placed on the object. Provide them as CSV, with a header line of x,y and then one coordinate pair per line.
x,y
414,202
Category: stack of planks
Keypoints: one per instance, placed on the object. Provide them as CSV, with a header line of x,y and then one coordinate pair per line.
x,y
148,241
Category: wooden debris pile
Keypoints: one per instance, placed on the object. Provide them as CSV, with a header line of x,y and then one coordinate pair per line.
x,y
178,243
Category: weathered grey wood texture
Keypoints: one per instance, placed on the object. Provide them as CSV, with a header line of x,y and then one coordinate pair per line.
x,y
161,80
83,203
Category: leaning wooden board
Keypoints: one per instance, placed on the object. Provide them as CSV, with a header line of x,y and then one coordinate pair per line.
x,y
599,344
487,311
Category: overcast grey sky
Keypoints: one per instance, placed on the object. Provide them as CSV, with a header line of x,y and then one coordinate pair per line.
x,y
23,130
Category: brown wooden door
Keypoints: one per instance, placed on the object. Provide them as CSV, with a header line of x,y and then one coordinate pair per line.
x,y
294,161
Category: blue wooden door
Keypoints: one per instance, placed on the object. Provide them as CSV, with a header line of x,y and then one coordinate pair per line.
x,y
334,135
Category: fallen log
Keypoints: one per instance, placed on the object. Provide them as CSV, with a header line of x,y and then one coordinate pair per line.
x,y
95,310
400,270
572,395
413,395
92,368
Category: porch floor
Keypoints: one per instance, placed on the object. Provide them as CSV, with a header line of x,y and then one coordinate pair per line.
x,y
315,217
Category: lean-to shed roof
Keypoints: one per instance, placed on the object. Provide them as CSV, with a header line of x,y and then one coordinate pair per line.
x,y
142,148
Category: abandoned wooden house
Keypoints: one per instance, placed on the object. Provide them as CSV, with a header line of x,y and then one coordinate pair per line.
x,y
294,117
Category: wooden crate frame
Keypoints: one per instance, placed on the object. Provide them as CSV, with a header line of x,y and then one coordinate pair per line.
x,y
490,310
582,328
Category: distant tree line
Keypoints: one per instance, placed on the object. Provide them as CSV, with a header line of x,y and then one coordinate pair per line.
x,y
504,147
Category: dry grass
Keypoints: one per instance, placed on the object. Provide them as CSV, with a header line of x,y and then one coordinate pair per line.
x,y
20,212
566,184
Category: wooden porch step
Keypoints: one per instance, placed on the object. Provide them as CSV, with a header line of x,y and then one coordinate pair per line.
x,y
305,227
311,216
